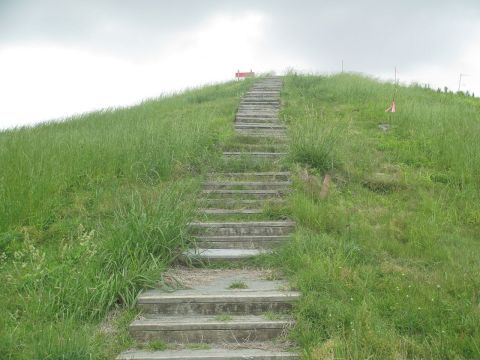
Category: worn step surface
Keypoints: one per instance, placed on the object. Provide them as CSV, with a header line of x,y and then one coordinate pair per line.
x,y
215,255
240,125
240,242
208,329
267,175
242,228
254,185
239,203
208,354
256,154
218,297
245,194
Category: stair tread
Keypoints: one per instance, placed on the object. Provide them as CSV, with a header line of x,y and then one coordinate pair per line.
x,y
220,254
176,323
245,223
207,354
247,183
216,295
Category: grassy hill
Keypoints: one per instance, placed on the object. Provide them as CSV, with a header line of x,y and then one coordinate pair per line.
x,y
93,209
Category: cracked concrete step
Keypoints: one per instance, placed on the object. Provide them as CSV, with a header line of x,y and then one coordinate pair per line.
x,y
246,185
208,329
240,242
269,175
245,194
216,302
284,227
210,354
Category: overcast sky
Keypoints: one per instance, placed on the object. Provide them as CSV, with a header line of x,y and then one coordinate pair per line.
x,y
61,57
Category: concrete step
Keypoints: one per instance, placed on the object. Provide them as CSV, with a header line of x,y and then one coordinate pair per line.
x,y
208,329
240,242
245,194
210,354
260,109
211,256
258,120
260,102
261,99
256,114
256,155
247,185
259,228
273,134
242,125
232,203
268,176
216,301
255,147
212,211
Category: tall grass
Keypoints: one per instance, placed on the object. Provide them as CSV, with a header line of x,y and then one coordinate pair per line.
x,y
92,210
387,263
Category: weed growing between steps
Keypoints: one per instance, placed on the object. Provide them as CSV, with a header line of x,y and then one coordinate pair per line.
x,y
91,211
388,262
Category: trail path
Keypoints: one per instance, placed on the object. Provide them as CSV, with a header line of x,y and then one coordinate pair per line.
x,y
225,313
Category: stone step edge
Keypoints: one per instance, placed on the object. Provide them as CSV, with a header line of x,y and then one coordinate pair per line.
x,y
284,223
225,296
208,354
206,322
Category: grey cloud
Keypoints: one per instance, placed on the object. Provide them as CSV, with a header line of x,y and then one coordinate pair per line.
x,y
368,35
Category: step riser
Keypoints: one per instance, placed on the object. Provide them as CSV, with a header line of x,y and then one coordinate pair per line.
x,y
244,231
261,131
256,115
264,176
266,186
233,308
259,127
247,156
239,244
219,355
222,197
259,121
256,148
264,102
208,336
230,203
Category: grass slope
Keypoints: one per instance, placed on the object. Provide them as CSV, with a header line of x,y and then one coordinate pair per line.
x,y
92,210
388,263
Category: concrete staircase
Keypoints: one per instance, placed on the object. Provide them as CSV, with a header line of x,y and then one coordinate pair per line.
x,y
235,313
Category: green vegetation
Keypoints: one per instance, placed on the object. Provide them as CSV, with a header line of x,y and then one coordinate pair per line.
x,y
388,262
94,209
157,345
238,285
223,317
91,211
